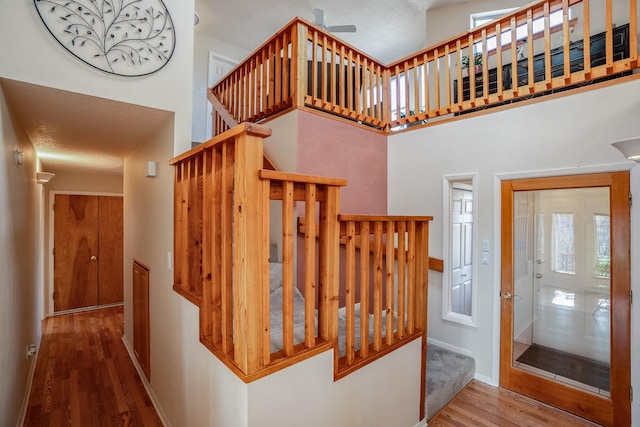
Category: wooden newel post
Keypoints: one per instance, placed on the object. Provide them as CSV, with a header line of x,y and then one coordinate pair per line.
x,y
329,262
249,251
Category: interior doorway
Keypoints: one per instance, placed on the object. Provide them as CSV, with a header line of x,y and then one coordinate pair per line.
x,y
565,328
87,251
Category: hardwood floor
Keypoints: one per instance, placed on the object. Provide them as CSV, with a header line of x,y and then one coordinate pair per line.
x,y
480,404
84,375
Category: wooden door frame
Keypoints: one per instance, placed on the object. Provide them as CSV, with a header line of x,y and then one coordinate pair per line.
x,y
49,268
616,409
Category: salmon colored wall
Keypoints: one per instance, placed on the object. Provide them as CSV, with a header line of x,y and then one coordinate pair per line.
x,y
328,147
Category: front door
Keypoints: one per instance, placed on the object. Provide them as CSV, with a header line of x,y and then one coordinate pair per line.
x,y
565,293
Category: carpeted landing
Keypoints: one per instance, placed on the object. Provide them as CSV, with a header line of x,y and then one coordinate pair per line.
x,y
448,373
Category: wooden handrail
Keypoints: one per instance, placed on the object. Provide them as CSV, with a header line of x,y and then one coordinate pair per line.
x,y
303,66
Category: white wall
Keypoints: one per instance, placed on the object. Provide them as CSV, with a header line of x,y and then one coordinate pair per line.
x,y
384,393
20,266
192,386
203,45
568,133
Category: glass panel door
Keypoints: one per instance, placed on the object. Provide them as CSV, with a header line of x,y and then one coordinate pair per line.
x,y
561,288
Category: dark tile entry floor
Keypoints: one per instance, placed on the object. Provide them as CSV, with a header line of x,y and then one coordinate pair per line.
x,y
586,371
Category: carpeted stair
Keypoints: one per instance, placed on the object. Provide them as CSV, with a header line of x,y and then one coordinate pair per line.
x,y
448,373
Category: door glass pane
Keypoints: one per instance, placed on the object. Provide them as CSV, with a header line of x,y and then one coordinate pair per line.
x,y
561,302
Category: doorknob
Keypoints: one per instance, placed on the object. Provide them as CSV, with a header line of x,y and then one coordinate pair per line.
x,y
538,275
507,295
93,258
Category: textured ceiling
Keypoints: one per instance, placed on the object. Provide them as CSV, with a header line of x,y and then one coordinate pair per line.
x,y
74,131
387,30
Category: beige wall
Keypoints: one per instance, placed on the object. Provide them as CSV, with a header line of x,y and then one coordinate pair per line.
x,y
20,265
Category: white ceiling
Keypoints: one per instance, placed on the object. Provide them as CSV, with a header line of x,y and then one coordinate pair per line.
x,y
75,132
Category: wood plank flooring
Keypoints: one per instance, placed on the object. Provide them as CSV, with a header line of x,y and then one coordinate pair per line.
x,y
480,404
84,375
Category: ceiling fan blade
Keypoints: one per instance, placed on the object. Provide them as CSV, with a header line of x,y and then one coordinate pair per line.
x,y
342,29
319,17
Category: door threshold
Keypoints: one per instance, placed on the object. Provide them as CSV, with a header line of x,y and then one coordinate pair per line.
x,y
89,308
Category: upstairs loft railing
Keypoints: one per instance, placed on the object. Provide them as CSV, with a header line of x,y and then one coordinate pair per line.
x,y
362,303
544,47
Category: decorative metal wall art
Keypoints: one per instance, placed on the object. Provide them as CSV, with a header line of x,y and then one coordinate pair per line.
x,y
123,37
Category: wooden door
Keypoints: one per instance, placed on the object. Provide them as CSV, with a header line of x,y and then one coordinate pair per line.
x,y
141,346
613,407
88,253
75,252
110,267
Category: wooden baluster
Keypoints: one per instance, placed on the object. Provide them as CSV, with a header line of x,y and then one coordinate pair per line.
x,y
377,285
427,100
514,59
436,81
397,100
416,87
390,282
177,225
277,58
566,41
500,82
287,267
208,248
402,268
372,79
286,76
364,289
359,84
407,96
530,79
633,31
217,267
411,271
350,289
226,247
333,76
586,38
447,77
323,73
310,266
351,89
264,86
485,74
362,111
609,30
344,68
266,270
547,46
459,87
386,98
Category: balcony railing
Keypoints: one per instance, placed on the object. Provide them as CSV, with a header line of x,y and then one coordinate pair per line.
x,y
544,47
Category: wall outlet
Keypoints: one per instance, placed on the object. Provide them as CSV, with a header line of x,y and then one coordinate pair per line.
x,y
31,350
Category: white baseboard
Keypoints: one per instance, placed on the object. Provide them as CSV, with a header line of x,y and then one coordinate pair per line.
x,y
485,379
147,386
449,347
27,393
421,423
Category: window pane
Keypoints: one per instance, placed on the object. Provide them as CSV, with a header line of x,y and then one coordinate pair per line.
x,y
603,249
564,257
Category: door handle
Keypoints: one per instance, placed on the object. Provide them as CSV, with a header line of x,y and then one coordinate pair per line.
x,y
538,275
507,295
93,258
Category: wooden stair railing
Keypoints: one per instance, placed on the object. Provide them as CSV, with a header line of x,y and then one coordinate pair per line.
x,y
303,66
223,205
